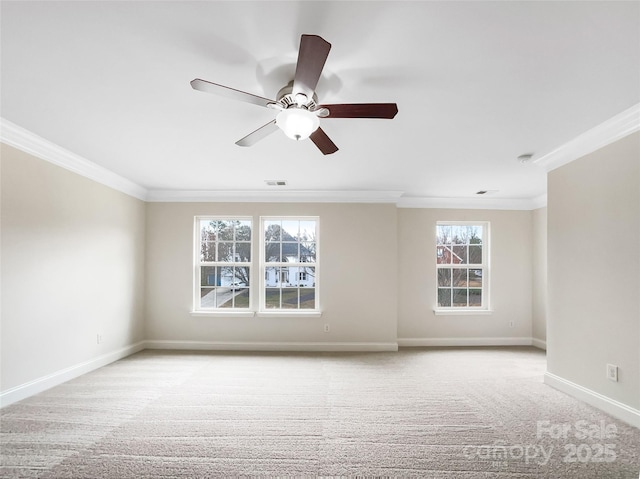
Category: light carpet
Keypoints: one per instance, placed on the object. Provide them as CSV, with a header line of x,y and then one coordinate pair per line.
x,y
435,413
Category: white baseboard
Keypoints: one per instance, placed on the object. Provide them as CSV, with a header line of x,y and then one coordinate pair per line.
x,y
269,346
539,343
604,403
36,386
416,342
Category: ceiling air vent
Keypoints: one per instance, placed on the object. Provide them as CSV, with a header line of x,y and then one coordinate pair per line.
x,y
275,182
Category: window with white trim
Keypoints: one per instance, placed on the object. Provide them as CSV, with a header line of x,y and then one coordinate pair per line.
x,y
223,263
462,269
289,264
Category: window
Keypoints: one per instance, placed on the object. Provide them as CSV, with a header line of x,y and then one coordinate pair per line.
x,y
462,251
223,263
289,262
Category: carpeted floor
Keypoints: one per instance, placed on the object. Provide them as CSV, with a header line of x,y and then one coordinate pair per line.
x,y
435,413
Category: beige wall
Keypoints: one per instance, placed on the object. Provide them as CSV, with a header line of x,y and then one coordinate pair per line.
x,y
357,287
510,278
72,267
594,270
539,270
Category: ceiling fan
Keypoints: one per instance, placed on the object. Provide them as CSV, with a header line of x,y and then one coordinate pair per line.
x,y
297,103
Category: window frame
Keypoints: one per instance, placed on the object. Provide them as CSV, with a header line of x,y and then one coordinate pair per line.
x,y
264,264
484,307
197,309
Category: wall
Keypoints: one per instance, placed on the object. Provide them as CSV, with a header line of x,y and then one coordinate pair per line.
x,y
593,273
357,287
510,280
72,267
539,271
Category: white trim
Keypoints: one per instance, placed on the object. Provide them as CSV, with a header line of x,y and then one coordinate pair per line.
x,y
462,312
470,203
269,346
539,343
602,135
56,378
261,196
463,342
539,201
294,313
222,314
604,403
22,139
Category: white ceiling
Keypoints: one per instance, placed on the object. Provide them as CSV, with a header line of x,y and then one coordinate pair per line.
x,y
477,84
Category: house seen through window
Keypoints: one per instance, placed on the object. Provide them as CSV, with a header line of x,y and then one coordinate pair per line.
x,y
290,266
462,265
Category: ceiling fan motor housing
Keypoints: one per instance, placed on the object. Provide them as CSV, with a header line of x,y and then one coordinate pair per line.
x,y
287,99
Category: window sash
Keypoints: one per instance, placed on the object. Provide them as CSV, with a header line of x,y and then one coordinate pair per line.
x,y
227,286
456,290
295,294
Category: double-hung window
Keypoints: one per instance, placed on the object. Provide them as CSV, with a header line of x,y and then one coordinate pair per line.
x,y
223,263
289,264
462,255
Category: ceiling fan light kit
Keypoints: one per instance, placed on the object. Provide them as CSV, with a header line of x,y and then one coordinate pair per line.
x,y
299,112
297,123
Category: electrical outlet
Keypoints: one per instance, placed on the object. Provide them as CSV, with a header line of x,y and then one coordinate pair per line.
x,y
326,328
511,324
99,338
612,372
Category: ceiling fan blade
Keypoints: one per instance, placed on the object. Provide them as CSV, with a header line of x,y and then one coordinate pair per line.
x,y
362,110
232,93
311,58
257,135
323,142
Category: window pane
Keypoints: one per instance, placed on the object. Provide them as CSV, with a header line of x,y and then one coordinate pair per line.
x,y
307,230
307,252
475,254
288,277
443,255
243,230
207,251
444,276
307,298
209,276
290,252
459,277
289,298
290,230
243,252
272,252
272,277
225,230
459,297
475,278
443,234
272,298
444,297
475,297
225,251
306,276
207,297
241,276
459,234
272,231
459,255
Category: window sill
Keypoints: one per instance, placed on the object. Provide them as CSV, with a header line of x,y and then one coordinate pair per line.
x,y
223,314
462,312
289,314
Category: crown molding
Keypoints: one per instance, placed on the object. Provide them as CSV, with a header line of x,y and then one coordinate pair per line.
x,y
22,139
602,135
283,196
473,203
